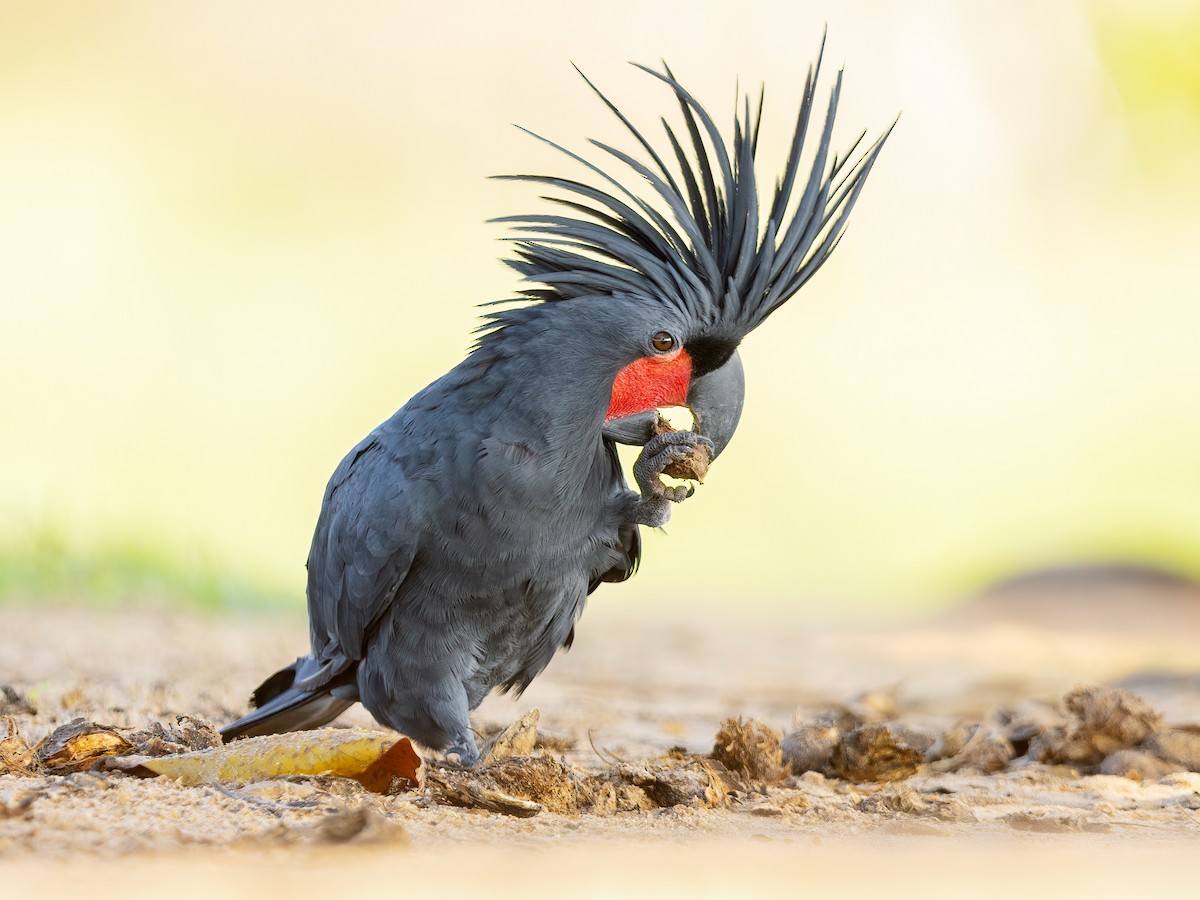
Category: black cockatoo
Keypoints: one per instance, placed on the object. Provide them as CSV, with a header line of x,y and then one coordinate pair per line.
x,y
458,542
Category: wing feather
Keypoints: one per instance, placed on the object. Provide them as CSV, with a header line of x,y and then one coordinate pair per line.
x,y
362,550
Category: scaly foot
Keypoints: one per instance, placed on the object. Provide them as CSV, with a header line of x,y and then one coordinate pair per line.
x,y
654,507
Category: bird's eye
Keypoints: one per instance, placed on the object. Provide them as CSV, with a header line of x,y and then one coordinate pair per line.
x,y
662,342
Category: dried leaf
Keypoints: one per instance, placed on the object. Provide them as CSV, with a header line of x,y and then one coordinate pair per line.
x,y
518,739
463,792
538,779
751,748
376,756
16,756
514,786
79,745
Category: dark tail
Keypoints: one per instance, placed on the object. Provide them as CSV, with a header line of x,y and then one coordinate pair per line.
x,y
280,705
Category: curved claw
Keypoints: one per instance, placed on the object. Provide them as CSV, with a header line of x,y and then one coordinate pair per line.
x,y
461,754
684,439
654,506
659,452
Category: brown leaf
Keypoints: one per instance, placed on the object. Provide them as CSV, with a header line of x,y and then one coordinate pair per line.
x,y
539,779
751,748
463,792
16,756
396,771
518,739
514,786
79,745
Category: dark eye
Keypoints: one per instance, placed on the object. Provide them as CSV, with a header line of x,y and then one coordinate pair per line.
x,y
662,342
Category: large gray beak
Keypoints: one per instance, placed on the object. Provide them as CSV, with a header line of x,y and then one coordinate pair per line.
x,y
715,400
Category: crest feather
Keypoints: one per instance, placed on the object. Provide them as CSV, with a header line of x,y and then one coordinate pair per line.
x,y
711,253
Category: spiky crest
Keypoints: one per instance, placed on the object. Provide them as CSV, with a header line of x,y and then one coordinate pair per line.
x,y
712,258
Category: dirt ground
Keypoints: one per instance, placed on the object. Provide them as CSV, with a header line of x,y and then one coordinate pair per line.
x,y
973,775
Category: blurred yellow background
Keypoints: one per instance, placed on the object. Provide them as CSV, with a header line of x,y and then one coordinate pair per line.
x,y
235,237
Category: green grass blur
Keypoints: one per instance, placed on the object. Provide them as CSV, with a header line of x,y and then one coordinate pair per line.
x,y
234,238
44,569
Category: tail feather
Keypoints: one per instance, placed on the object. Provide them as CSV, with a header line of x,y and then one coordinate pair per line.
x,y
281,706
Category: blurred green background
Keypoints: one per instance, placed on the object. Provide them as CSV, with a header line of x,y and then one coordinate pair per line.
x,y
234,237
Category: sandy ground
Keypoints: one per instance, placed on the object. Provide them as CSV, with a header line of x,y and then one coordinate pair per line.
x,y
624,696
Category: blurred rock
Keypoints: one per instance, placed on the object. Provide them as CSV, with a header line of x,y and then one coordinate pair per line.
x,y
1101,721
687,781
1182,747
985,751
876,752
902,800
14,703
1026,720
809,748
1139,765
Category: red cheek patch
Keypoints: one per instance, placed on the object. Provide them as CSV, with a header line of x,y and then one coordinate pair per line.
x,y
650,382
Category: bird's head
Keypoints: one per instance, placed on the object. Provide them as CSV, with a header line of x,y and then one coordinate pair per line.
x,y
702,372
693,267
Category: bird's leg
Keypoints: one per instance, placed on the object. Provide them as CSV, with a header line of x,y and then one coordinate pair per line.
x,y
453,716
463,747
653,508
